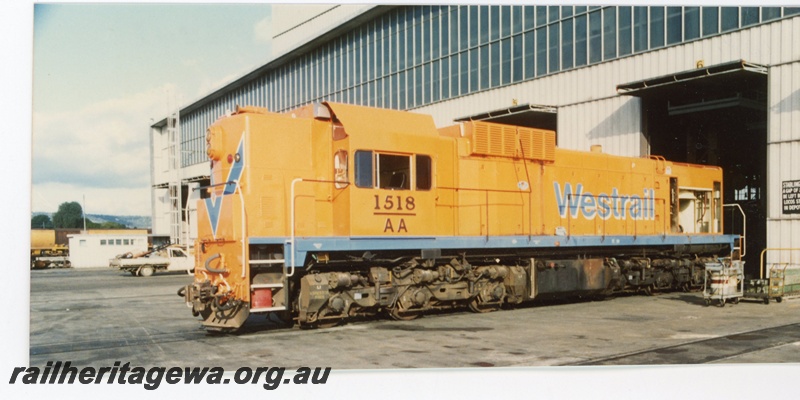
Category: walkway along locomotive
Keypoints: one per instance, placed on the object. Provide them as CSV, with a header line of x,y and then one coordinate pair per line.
x,y
334,210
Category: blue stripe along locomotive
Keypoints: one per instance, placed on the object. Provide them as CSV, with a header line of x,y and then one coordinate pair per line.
x,y
335,211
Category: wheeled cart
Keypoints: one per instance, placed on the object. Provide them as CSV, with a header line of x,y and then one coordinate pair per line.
x,y
724,282
783,282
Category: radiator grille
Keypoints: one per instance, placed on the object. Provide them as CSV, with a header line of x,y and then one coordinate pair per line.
x,y
491,139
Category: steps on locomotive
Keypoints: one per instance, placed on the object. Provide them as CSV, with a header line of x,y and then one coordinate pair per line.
x,y
265,292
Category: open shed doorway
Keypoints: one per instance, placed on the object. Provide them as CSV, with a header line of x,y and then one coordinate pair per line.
x,y
715,116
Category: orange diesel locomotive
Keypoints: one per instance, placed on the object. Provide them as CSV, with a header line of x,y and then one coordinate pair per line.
x,y
335,211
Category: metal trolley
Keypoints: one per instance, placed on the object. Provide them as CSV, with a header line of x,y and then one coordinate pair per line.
x,y
783,280
724,281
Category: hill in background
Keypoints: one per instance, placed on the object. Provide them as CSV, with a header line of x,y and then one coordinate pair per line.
x,y
130,221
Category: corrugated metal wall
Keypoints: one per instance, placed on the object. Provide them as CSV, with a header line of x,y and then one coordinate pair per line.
x,y
613,123
783,155
591,112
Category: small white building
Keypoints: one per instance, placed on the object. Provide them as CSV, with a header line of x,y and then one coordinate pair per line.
x,y
94,250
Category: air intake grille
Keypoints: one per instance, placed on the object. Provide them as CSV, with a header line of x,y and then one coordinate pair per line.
x,y
490,139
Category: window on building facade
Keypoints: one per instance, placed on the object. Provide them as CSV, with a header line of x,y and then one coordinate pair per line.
x,y
541,51
581,54
554,35
691,23
517,54
730,18
674,25
595,40
656,27
625,31
640,29
710,20
529,44
507,57
770,13
609,33
749,16
541,15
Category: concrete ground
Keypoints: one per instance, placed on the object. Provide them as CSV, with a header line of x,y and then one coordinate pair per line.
x,y
96,317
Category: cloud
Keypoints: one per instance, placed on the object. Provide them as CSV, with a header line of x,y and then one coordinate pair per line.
x,y
263,30
103,147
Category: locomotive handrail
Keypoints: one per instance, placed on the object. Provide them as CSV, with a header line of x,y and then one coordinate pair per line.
x,y
214,185
244,229
763,252
292,222
243,239
662,160
743,240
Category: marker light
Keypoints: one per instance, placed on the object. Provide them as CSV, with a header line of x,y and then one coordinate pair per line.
x,y
230,158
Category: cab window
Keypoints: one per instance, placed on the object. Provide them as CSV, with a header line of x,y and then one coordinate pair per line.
x,y
423,172
363,169
340,169
393,171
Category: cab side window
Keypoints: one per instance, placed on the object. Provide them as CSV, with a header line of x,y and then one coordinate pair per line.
x,y
393,172
423,172
363,169
340,169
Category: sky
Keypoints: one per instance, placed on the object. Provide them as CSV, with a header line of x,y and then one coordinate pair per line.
x,y
103,72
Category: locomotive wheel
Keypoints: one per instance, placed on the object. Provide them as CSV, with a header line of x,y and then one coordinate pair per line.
x,y
779,299
403,315
475,306
766,300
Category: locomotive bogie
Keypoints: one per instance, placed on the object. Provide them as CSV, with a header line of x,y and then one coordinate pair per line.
x,y
335,211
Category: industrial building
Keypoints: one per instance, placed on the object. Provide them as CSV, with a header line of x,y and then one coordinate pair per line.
x,y
707,85
88,250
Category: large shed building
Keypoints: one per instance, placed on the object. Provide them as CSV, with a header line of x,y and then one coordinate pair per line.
x,y
708,85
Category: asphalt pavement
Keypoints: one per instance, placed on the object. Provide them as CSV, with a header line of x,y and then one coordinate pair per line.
x,y
99,316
